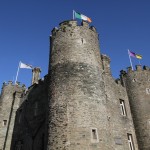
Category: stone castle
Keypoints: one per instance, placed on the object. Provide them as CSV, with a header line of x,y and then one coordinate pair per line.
x,y
78,105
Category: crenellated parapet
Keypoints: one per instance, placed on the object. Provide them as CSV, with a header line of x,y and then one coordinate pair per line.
x,y
67,26
10,87
138,68
71,42
140,73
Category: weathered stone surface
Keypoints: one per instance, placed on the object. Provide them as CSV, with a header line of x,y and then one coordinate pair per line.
x,y
31,119
9,103
137,84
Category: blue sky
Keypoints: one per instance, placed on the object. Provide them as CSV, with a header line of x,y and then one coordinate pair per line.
x,y
25,27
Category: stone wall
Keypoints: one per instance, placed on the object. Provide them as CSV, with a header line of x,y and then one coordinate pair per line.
x,y
137,84
30,131
9,103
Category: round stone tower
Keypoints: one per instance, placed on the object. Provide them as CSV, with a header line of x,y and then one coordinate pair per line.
x,y
77,106
138,88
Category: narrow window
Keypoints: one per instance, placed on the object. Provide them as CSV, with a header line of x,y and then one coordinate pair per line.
x,y
130,141
82,40
94,135
147,91
35,109
122,106
134,80
4,122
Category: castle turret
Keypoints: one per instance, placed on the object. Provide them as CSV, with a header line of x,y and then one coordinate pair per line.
x,y
77,112
9,103
35,75
138,88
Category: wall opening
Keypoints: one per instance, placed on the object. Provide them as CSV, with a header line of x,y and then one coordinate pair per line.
x,y
147,91
4,122
94,135
130,141
123,108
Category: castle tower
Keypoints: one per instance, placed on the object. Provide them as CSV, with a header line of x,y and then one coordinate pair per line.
x,y
35,75
137,84
77,111
9,103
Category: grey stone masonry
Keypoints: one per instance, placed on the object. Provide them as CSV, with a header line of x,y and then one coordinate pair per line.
x,y
36,75
120,122
137,84
9,103
30,130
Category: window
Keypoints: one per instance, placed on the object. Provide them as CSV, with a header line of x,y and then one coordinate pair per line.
x,y
147,91
94,135
35,109
134,80
122,106
4,122
130,141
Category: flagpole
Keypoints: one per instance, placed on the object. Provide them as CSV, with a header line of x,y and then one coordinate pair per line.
x,y
73,14
139,62
17,72
130,60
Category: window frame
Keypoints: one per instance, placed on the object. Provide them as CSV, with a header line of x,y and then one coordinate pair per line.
x,y
4,123
94,135
123,107
130,141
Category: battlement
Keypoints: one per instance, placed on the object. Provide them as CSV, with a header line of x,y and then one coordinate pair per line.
x,y
72,24
138,68
10,83
105,58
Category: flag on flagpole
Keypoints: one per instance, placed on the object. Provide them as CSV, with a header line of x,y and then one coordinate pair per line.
x,y
22,65
138,56
81,16
26,66
132,54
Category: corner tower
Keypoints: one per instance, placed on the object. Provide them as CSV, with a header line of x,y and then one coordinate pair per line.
x,y
77,111
137,84
9,103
